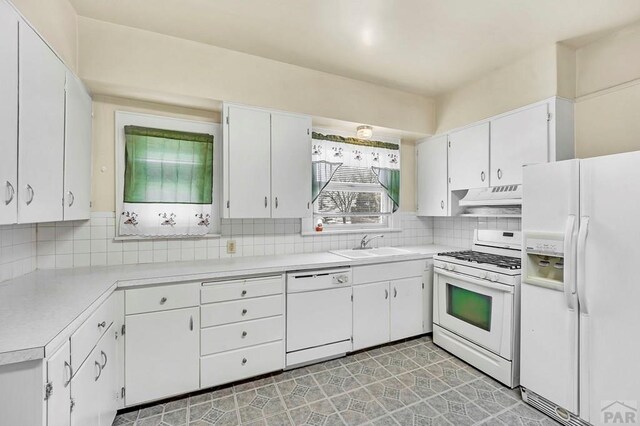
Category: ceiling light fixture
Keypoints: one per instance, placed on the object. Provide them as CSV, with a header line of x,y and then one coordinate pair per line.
x,y
364,132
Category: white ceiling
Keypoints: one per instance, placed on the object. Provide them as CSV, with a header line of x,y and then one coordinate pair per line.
x,y
422,46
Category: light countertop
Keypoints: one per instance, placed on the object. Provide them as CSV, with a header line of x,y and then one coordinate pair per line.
x,y
37,307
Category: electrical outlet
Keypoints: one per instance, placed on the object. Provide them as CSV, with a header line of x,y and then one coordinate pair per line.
x,y
231,246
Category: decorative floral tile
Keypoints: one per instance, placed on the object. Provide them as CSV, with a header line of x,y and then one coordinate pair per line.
x,y
457,409
450,373
423,383
396,363
490,398
418,415
259,403
368,371
392,394
319,413
300,391
220,411
358,407
336,381
422,355
524,415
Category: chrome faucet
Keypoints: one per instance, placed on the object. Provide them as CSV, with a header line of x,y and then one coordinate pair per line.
x,y
365,241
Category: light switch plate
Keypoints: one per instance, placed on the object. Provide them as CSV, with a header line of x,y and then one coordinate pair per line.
x,y
231,246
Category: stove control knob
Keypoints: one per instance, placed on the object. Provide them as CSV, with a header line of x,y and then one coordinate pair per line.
x,y
485,276
494,277
452,267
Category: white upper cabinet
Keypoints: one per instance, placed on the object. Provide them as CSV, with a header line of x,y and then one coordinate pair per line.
x,y
290,165
267,163
247,150
8,114
41,130
469,157
432,175
518,139
77,151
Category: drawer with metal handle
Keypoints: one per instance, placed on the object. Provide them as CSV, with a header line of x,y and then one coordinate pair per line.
x,y
239,335
241,289
241,310
240,364
85,338
162,298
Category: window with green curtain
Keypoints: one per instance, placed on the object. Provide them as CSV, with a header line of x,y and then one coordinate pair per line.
x,y
167,166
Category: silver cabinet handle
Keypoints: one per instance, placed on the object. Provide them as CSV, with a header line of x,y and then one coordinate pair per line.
x,y
163,300
395,292
191,323
97,364
31,194
244,293
276,202
104,358
442,204
499,173
482,176
386,294
102,324
72,198
244,334
10,194
265,202
244,312
68,367
244,361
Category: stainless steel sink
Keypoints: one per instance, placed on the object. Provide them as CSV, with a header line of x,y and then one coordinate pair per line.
x,y
369,253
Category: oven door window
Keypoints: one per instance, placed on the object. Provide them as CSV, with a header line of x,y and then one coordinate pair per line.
x,y
469,306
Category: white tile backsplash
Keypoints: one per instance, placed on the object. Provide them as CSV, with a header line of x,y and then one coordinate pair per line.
x,y
458,231
18,250
90,242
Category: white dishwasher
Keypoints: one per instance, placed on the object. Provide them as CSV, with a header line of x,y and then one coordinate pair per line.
x,y
319,315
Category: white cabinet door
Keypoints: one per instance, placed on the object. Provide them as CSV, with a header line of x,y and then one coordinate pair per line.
x,y
290,165
162,354
85,392
77,151
406,308
370,315
59,378
41,130
516,140
427,298
469,157
432,177
107,383
248,171
8,114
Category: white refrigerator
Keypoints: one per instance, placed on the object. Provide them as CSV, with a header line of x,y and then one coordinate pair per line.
x,y
580,292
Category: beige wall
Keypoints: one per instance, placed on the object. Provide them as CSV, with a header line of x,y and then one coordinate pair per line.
x,y
56,21
608,89
407,177
114,59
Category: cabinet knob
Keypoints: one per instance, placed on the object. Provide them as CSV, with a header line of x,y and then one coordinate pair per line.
x,y
244,312
244,293
244,361
102,324
163,300
244,334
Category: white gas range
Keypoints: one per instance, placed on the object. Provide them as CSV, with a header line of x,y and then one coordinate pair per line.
x,y
476,303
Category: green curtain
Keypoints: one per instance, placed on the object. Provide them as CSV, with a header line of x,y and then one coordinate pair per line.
x,y
322,172
165,166
390,180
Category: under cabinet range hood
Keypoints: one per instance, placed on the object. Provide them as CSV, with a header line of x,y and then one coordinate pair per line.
x,y
505,201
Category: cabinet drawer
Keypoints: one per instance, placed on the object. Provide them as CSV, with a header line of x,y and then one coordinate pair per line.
x,y
236,365
162,298
85,338
239,335
387,271
241,310
241,289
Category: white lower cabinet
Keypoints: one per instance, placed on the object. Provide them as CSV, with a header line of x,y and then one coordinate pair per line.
x,y
59,392
94,392
427,297
162,354
389,310
406,308
370,315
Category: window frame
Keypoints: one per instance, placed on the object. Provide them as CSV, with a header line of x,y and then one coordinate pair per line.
x,y
391,225
125,118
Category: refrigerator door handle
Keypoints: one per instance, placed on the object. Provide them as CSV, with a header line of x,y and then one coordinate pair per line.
x,y
582,242
569,279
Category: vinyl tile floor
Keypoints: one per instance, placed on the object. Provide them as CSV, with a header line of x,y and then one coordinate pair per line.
x,y
412,382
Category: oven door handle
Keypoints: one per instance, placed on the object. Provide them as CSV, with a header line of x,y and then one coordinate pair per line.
x,y
477,281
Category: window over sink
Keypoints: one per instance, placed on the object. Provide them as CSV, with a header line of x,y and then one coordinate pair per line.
x,y
355,182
